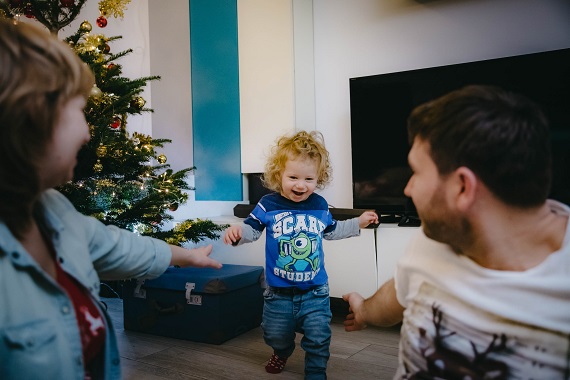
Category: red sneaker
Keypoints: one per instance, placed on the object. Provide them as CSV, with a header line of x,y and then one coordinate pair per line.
x,y
275,364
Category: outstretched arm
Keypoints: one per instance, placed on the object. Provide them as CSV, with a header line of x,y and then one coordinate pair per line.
x,y
366,218
382,309
233,234
195,257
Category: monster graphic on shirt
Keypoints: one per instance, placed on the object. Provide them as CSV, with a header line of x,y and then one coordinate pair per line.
x,y
299,247
294,253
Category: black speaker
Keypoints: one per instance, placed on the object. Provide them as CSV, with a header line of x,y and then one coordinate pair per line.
x,y
242,211
256,189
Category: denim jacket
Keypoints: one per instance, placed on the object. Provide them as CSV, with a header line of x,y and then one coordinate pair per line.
x,y
39,336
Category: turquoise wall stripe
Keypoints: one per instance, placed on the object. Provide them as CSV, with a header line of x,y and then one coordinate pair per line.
x,y
215,100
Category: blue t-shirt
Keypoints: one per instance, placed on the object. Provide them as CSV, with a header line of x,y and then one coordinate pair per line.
x,y
293,250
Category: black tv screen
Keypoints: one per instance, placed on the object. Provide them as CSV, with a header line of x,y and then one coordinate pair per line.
x,y
381,104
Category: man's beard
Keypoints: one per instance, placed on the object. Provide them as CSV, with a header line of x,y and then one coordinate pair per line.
x,y
441,225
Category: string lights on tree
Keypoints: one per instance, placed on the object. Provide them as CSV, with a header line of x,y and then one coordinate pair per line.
x,y
121,178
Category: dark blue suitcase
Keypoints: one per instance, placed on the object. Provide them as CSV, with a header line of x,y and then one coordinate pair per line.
x,y
198,304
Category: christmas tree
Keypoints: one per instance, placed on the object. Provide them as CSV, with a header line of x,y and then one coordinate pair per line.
x,y
121,178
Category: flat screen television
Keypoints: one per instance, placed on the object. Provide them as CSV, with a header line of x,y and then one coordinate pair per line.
x,y
381,104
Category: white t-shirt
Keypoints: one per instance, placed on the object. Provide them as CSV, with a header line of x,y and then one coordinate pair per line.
x,y
463,321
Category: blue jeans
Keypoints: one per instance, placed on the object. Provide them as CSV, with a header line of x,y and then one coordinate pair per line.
x,y
306,313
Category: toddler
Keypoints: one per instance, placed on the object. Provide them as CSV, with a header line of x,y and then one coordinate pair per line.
x,y
297,219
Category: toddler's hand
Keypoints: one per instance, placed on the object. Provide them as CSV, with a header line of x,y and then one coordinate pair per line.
x,y
232,235
367,217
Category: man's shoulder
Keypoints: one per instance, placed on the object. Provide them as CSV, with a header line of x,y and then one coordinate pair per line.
x,y
558,207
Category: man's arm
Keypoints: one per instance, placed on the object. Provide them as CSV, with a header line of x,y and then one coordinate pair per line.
x,y
382,309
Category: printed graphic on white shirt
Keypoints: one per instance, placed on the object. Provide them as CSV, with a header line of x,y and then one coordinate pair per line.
x,y
444,338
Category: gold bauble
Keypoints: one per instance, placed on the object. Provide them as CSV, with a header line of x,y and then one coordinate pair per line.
x,y
95,92
138,103
161,159
98,167
85,26
101,150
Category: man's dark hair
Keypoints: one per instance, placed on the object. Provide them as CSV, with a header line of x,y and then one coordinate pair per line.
x,y
502,137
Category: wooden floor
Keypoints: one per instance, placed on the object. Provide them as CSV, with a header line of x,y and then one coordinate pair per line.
x,y
360,355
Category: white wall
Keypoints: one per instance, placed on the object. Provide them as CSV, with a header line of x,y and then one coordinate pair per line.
x,y
134,29
350,38
171,95
266,77
366,37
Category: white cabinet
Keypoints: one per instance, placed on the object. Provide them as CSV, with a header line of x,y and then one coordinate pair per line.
x,y
391,243
358,264
351,264
362,264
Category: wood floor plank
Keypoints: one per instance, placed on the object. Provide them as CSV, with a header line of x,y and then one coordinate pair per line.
x,y
135,370
360,355
211,366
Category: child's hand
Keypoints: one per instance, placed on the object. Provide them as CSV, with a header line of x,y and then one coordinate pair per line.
x,y
367,217
232,235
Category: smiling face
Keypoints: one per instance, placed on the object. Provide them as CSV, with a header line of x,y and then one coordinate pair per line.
x,y
429,192
70,134
299,179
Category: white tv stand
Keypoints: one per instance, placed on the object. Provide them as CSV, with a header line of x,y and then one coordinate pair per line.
x,y
359,264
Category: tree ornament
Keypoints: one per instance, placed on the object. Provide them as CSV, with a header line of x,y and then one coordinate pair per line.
x,y
106,48
116,123
98,167
113,7
110,66
161,159
85,26
67,3
90,45
157,220
95,92
101,150
137,103
29,11
101,21
173,207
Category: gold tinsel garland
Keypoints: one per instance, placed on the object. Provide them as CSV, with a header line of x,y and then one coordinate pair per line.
x,y
113,8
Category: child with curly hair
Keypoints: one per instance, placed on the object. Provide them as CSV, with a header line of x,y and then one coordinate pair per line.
x,y
297,219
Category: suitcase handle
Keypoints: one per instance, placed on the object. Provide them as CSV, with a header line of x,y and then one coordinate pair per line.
x,y
175,309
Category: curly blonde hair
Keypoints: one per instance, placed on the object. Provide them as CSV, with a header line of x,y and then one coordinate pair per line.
x,y
304,145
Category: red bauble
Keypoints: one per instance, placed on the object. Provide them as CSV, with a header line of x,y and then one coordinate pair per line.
x,y
67,3
101,21
116,123
157,220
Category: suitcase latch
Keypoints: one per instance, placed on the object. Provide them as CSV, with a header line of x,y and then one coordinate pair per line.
x,y
139,292
192,299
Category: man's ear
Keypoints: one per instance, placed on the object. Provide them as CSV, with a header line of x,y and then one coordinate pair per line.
x,y
466,188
